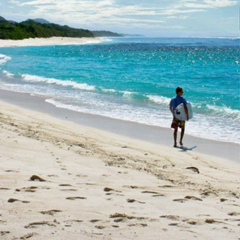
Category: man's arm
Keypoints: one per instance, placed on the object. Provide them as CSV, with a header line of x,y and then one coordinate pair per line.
x,y
171,107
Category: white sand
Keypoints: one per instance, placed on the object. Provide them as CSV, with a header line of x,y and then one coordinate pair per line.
x,y
49,41
104,186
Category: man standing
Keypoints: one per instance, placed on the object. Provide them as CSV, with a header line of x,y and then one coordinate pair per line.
x,y
176,123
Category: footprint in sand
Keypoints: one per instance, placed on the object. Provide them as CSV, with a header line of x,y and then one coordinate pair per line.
x,y
53,175
155,194
51,212
12,200
107,189
137,225
194,169
208,193
69,190
44,223
119,217
115,226
27,236
210,221
171,217
95,220
14,171
133,200
37,178
234,213
5,189
65,185
81,175
133,187
27,189
70,222
100,227
193,198
3,233
75,198
182,200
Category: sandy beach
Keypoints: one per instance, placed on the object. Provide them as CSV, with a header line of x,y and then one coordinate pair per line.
x,y
63,180
48,41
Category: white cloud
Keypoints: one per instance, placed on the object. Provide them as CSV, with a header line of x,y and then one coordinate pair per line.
x,y
220,3
128,14
207,4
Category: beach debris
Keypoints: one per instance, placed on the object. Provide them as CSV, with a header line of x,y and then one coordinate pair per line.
x,y
194,169
37,178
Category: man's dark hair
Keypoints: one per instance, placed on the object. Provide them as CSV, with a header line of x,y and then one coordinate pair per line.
x,y
179,89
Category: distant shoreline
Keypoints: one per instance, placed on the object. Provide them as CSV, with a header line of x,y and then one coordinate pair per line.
x,y
49,41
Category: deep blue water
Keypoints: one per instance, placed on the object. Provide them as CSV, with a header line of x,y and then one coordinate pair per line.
x,y
134,79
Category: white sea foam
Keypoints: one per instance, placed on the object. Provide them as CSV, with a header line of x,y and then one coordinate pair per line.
x,y
109,90
127,94
4,59
38,79
8,74
159,99
224,111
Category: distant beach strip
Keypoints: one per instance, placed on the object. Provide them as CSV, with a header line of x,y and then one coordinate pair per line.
x,y
53,41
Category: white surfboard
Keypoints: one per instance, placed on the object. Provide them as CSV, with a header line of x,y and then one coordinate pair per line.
x,y
180,113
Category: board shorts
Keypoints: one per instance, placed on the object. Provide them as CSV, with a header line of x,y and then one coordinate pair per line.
x,y
177,123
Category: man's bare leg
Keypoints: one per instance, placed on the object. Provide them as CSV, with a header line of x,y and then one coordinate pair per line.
x,y
175,137
182,135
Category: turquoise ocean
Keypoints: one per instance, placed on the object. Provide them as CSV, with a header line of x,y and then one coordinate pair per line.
x,y
133,79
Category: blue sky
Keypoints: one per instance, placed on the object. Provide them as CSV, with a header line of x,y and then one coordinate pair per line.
x,y
156,18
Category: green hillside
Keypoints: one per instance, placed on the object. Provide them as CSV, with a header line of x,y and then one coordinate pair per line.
x,y
33,29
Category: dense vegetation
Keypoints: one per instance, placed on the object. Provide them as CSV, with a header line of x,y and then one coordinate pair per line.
x,y
106,34
33,29
40,28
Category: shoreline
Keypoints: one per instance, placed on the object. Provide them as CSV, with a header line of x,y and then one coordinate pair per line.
x,y
37,42
151,134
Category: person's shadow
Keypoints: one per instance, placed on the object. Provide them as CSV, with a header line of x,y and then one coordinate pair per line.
x,y
185,149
